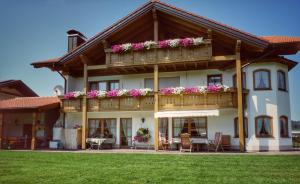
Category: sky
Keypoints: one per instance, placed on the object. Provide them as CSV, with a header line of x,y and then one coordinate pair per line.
x,y
35,30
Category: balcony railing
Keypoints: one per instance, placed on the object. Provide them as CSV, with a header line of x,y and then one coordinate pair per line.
x,y
160,55
212,100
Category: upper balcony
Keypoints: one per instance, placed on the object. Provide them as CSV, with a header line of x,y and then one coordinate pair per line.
x,y
156,54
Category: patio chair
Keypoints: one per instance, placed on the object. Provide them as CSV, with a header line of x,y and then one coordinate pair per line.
x,y
186,143
163,143
216,143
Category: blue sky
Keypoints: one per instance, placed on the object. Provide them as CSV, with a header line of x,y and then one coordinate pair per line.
x,y
34,30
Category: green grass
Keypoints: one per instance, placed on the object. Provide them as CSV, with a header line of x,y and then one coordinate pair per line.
x,y
38,167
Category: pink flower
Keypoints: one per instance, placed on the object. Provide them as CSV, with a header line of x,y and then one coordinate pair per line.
x,y
190,90
92,94
163,44
69,95
167,91
186,42
138,46
113,93
214,88
135,93
117,48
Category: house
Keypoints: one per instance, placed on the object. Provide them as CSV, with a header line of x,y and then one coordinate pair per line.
x,y
26,120
162,71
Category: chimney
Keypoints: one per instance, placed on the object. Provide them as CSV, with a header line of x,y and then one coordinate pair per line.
x,y
75,38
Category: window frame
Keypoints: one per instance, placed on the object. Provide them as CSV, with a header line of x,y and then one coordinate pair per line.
x,y
244,82
270,80
245,125
286,124
214,75
108,82
102,121
284,77
190,127
271,127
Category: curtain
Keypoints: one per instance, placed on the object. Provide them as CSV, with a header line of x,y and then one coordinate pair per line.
x,y
262,79
281,80
264,127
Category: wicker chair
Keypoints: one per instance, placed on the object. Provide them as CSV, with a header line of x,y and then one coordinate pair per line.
x,y
186,143
216,143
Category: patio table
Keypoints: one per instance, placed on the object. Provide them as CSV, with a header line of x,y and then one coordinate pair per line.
x,y
196,141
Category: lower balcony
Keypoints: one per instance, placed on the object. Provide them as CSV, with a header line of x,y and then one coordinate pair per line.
x,y
213,100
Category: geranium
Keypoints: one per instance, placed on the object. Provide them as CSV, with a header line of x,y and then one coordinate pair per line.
x,y
135,92
163,44
178,90
138,46
202,89
73,94
145,91
112,93
101,94
190,90
126,47
186,42
122,92
198,41
214,88
92,94
149,44
117,48
174,43
167,91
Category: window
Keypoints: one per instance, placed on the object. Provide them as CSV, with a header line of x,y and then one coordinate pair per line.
x,y
262,79
163,128
102,128
164,82
196,126
214,80
281,80
234,80
236,127
284,128
104,85
263,126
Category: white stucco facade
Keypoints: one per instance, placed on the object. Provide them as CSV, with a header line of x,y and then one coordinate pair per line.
x,y
273,103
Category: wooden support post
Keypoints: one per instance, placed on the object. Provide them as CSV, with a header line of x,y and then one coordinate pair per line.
x,y
155,25
84,59
34,121
240,97
1,129
156,143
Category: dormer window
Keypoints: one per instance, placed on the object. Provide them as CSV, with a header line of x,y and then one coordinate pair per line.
x,y
262,79
281,80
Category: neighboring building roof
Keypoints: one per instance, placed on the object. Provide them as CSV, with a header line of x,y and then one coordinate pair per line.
x,y
20,88
281,39
29,103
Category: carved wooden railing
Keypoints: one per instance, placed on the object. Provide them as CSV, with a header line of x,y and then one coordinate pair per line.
x,y
121,104
72,105
160,55
199,101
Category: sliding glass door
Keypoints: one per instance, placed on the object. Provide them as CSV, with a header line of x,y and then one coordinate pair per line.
x,y
102,128
125,132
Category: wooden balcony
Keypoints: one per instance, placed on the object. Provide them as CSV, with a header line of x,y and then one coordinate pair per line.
x,y
166,102
157,55
121,104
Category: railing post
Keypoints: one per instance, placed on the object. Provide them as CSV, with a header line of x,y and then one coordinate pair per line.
x,y
156,101
240,96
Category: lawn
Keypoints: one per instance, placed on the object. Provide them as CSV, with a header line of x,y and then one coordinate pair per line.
x,y
39,167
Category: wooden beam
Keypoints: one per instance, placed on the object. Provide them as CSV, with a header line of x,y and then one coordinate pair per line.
x,y
1,129
155,85
33,138
155,25
96,67
224,58
84,59
209,34
239,83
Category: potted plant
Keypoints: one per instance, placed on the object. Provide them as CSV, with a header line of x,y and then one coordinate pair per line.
x,y
142,135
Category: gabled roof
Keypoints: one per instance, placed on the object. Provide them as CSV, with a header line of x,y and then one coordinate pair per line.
x,y
30,103
281,39
19,86
261,42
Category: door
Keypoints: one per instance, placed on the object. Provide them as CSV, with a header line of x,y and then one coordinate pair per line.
x,y
125,132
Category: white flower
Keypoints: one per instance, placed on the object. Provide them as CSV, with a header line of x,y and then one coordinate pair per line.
x,y
174,42
78,94
202,89
178,90
149,44
198,41
225,88
126,46
101,94
122,92
145,91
